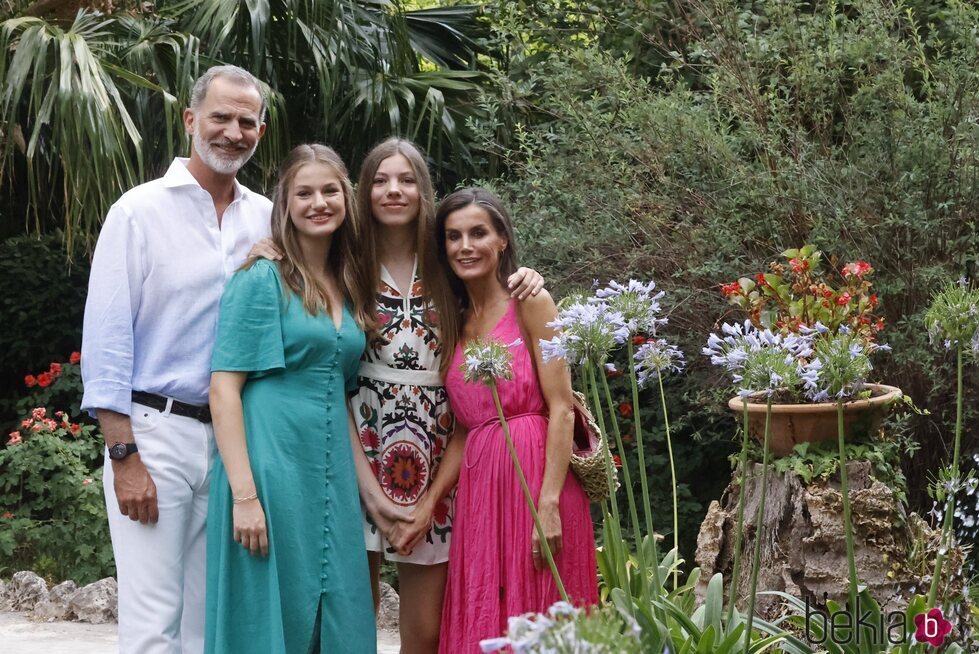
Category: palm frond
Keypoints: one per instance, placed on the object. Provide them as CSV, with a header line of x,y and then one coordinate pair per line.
x,y
84,109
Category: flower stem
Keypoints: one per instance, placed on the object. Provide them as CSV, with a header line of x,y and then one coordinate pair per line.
x,y
759,523
545,548
637,421
946,537
622,554
669,449
739,529
847,520
633,512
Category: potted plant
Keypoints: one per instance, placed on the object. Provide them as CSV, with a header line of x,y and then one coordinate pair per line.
x,y
797,298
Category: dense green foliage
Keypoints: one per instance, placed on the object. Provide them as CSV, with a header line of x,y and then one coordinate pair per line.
x,y
777,123
42,306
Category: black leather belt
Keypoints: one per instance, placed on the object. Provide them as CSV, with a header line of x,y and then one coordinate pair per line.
x,y
158,402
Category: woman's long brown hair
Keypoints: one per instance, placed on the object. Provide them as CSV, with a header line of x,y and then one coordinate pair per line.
x,y
457,302
345,260
435,285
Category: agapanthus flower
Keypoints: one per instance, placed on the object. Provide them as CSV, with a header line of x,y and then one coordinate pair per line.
x,y
487,360
638,303
587,332
759,360
839,367
953,317
656,357
559,630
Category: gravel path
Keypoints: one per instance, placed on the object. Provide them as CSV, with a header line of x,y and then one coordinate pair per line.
x,y
18,635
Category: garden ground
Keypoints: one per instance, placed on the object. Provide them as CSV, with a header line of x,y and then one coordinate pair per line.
x,y
22,636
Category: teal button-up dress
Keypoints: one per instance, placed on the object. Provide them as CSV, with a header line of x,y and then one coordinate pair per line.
x,y
314,584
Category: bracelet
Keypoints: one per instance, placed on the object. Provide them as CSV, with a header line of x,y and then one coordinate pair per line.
x,y
247,498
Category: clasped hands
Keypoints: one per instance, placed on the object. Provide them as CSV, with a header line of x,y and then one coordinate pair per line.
x,y
403,530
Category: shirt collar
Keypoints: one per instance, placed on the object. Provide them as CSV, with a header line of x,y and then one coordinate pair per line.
x,y
178,175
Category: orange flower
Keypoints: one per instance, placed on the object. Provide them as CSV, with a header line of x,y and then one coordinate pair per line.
x,y
29,381
55,369
75,357
44,379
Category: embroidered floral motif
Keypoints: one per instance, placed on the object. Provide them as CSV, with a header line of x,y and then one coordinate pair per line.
x,y
404,428
404,473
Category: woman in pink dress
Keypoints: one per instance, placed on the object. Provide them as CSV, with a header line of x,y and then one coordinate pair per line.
x,y
496,569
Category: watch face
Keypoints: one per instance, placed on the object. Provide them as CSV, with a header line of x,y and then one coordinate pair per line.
x,y
118,451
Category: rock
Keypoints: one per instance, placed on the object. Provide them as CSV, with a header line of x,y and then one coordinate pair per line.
x,y
387,614
25,590
55,607
96,603
4,602
803,549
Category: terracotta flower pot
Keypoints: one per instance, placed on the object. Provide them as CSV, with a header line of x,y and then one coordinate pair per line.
x,y
806,423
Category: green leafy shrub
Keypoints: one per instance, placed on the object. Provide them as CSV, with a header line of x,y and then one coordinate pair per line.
x,y
52,509
58,385
42,306
849,126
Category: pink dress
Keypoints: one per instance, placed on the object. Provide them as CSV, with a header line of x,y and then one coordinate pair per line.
x,y
491,571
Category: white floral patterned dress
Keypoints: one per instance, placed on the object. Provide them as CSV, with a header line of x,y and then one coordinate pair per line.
x,y
402,414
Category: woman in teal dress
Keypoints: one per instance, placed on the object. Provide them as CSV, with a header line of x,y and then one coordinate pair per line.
x,y
286,568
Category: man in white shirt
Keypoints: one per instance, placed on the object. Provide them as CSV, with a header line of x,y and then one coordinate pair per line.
x,y
163,256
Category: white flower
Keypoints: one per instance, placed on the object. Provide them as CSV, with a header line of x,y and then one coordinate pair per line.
x,y
487,360
638,303
587,332
655,357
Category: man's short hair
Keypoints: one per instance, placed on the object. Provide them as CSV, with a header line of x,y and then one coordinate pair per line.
x,y
233,73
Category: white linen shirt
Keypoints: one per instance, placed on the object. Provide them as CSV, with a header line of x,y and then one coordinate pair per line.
x,y
159,269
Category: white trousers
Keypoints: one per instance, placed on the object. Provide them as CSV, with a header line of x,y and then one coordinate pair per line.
x,y
161,567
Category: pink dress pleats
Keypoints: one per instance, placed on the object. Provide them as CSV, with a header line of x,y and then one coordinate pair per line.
x,y
491,572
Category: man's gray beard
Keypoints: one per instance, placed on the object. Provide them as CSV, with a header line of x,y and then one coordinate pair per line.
x,y
216,162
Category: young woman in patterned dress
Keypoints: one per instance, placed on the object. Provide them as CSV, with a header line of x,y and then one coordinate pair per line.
x,y
401,409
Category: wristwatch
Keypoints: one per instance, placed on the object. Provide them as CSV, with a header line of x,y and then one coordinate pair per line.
x,y
119,451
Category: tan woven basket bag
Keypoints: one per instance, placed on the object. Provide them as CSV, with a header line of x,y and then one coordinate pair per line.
x,y
588,454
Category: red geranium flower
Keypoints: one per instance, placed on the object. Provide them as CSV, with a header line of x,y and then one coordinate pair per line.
x,y
638,340
75,357
14,438
617,460
39,413
799,265
760,277
843,299
734,288
612,372
625,410
30,380
75,429
857,269
44,379
55,369
7,515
